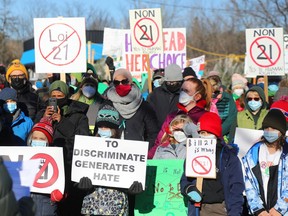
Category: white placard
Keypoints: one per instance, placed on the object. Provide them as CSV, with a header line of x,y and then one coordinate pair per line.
x,y
286,52
50,175
146,30
196,64
60,45
109,162
201,158
264,51
112,42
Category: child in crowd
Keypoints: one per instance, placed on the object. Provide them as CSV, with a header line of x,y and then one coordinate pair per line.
x,y
223,195
174,140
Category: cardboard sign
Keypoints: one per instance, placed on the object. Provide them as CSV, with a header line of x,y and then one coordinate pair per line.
x,y
146,31
264,51
60,45
109,162
50,173
162,195
201,158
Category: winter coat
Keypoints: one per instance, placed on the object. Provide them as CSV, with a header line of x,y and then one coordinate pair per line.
x,y
231,178
195,113
176,151
252,186
8,203
163,102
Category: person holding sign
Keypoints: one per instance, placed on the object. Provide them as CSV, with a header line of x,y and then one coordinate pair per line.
x,y
223,195
266,165
103,200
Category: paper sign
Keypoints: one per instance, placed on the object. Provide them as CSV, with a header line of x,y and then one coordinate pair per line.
x,y
286,52
201,158
50,173
60,45
198,65
109,162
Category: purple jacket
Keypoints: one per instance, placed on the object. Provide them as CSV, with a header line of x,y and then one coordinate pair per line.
x,y
195,113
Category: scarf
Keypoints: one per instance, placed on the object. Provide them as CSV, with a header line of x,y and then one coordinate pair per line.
x,y
127,105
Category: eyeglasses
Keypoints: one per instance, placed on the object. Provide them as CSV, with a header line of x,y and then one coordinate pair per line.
x,y
123,82
255,99
20,76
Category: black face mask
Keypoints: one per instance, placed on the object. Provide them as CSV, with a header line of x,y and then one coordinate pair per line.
x,y
18,83
62,102
175,87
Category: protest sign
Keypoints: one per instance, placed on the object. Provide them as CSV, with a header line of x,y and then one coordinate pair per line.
x,y
286,52
162,195
60,45
201,158
264,51
50,173
198,65
109,162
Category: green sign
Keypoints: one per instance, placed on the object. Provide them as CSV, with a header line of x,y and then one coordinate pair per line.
x,y
162,195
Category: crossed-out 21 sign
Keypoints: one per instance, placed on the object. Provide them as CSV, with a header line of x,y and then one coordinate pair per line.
x,y
201,158
60,45
146,31
264,50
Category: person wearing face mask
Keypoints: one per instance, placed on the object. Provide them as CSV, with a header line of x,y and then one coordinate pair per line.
x,y
158,78
239,85
15,125
88,94
253,114
164,99
265,166
18,79
68,120
223,195
174,140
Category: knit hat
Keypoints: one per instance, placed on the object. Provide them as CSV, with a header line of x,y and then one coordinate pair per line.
x,y
213,73
45,126
60,86
238,81
188,71
275,119
16,65
158,73
282,105
173,72
8,93
108,116
123,72
211,123
89,80
90,72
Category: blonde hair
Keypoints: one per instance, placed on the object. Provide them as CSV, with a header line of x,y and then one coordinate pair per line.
x,y
77,95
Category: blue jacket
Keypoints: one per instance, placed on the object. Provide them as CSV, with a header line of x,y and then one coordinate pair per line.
x,y
231,178
250,160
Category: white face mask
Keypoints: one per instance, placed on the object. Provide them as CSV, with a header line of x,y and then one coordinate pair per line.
x,y
211,136
185,99
179,136
238,92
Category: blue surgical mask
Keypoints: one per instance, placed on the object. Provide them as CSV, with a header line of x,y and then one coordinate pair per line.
x,y
104,133
10,107
211,136
38,143
156,83
271,136
89,91
254,105
273,87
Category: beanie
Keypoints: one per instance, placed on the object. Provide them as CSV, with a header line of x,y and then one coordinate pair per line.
x,y
59,86
45,126
123,72
8,94
16,65
108,116
89,80
213,73
282,105
238,81
158,73
173,72
90,72
275,119
211,123
188,71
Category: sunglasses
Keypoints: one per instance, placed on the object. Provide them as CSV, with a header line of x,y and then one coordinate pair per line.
x,y
255,99
123,82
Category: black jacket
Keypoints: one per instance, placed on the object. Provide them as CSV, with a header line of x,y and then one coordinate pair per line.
x,y
163,102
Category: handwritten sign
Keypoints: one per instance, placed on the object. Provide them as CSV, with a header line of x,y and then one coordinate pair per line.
x,y
162,195
109,162
201,158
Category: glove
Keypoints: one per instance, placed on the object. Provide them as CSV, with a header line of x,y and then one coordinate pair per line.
x,y
27,206
135,188
85,184
190,129
110,63
194,194
56,196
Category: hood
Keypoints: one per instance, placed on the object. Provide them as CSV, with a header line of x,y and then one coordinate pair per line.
x,y
77,107
260,91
